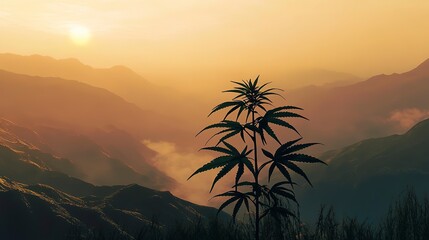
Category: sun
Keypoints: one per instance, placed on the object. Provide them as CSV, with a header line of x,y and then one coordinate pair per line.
x,y
79,35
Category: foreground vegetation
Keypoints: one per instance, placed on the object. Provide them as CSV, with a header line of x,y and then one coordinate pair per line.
x,y
407,219
255,125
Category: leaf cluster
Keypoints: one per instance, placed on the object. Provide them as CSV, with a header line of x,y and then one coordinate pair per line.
x,y
253,123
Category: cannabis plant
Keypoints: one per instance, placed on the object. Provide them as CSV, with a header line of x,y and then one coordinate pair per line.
x,y
250,117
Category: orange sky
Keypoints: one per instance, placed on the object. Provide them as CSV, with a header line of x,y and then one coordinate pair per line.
x,y
208,41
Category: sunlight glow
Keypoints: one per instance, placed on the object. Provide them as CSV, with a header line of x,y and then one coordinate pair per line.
x,y
79,35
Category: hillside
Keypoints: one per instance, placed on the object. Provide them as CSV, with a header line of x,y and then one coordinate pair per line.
x,y
87,125
380,106
68,205
55,101
118,79
340,114
167,102
47,213
361,178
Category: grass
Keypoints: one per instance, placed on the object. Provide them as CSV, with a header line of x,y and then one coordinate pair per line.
x,y
406,219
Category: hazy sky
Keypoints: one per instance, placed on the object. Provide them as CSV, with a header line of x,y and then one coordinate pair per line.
x,y
207,41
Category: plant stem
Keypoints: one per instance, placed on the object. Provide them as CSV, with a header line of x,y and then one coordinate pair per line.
x,y
256,175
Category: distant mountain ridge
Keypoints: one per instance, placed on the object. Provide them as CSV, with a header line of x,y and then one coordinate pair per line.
x,y
338,117
373,108
51,113
316,77
119,80
336,112
162,102
71,103
117,77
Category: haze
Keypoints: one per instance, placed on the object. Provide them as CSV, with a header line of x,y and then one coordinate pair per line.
x,y
197,47
209,42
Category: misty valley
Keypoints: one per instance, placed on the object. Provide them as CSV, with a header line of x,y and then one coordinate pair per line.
x,y
83,157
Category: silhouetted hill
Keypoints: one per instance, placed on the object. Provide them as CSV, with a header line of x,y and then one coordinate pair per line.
x,y
42,212
162,204
362,178
50,204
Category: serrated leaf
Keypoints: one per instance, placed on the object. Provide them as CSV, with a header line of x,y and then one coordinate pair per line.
x,y
284,171
278,184
285,146
216,125
241,84
303,158
222,173
298,147
226,194
271,133
285,108
265,164
298,170
226,203
224,105
227,136
240,172
246,202
282,123
246,183
249,165
255,82
284,194
251,127
215,163
217,149
236,208
242,108
231,147
267,154
287,114
270,172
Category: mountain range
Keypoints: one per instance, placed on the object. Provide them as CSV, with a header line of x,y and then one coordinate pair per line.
x,y
377,107
55,135
119,80
90,126
342,110
162,104
67,128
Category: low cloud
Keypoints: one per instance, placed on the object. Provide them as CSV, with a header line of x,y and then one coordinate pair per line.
x,y
180,165
406,118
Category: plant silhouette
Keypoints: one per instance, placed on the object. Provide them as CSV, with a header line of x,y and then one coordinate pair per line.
x,y
253,125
